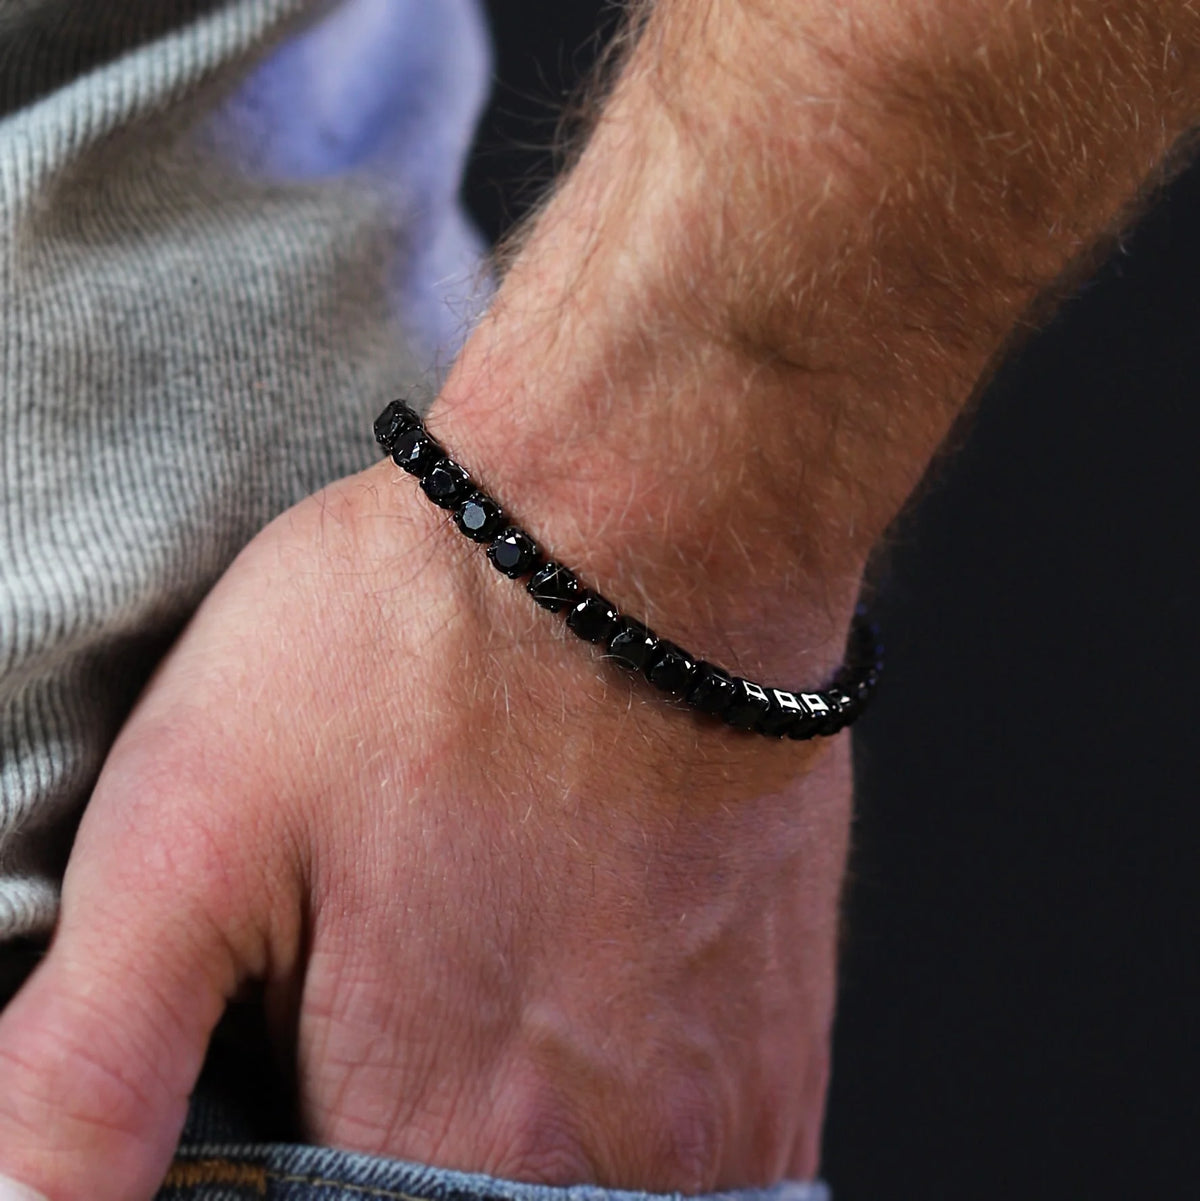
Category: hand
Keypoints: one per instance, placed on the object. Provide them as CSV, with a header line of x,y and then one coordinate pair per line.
x,y
512,912
519,916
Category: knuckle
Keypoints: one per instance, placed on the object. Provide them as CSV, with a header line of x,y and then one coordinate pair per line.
x,y
67,1106
541,1145
73,1078
669,1137
691,1121
536,1130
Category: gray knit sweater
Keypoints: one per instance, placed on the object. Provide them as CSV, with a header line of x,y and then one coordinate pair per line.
x,y
228,232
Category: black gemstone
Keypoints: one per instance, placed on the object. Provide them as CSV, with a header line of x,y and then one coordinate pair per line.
x,y
786,710
814,723
479,517
750,704
843,709
805,728
712,691
554,587
392,422
671,668
593,618
632,645
416,452
446,484
514,553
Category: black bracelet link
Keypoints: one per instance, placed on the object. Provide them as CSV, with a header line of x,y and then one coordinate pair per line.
x,y
707,688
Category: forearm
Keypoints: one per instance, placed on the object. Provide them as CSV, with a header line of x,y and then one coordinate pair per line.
x,y
744,323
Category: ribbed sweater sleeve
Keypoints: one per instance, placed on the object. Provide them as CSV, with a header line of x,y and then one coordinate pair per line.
x,y
211,273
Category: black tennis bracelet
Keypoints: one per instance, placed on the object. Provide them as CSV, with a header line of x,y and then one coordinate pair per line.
x,y
740,703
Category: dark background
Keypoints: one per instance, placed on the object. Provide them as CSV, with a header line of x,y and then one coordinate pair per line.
x,y
1021,973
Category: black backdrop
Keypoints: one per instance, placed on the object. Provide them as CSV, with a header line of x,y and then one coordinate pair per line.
x,y
1021,974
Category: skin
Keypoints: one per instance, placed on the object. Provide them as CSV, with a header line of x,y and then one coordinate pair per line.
x,y
512,912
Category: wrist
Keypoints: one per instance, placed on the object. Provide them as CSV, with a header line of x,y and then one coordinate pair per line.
x,y
703,484
697,479
529,658
653,487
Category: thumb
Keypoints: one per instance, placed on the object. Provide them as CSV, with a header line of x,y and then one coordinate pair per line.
x,y
102,1046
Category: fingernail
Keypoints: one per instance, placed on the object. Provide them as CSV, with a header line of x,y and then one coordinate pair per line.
x,y
11,1190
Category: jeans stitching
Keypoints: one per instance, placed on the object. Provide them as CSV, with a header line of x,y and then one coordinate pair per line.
x,y
185,1174
322,1182
197,1173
